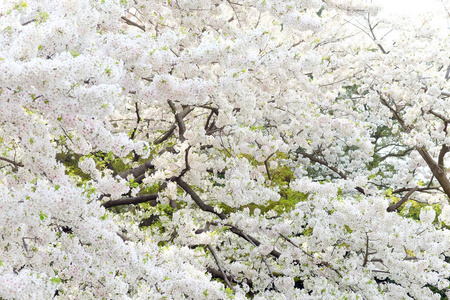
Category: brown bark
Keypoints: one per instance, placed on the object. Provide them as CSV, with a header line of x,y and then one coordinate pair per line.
x,y
437,169
134,200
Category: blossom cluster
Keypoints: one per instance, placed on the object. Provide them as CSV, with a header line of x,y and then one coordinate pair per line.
x,y
221,150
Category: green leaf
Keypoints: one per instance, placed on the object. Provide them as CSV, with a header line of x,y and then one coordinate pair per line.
x,y
230,294
42,216
56,280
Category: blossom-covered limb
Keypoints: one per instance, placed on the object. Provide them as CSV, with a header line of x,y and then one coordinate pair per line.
x,y
133,200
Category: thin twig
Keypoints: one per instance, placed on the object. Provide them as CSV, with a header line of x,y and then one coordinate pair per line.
x,y
220,267
322,263
133,134
129,22
28,22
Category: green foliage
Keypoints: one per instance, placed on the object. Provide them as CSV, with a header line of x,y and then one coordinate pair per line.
x,y
438,291
230,293
56,280
74,53
70,161
308,231
281,177
42,216
42,17
20,6
416,207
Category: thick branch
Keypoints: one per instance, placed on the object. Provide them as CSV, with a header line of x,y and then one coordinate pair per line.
x,y
178,118
138,171
437,171
134,200
442,153
186,161
440,116
166,135
444,93
203,206
217,274
11,162
123,237
405,198
436,168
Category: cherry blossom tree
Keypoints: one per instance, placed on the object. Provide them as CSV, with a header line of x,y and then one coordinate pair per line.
x,y
215,149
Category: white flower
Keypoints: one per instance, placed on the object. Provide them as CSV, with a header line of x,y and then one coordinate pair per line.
x,y
427,215
445,215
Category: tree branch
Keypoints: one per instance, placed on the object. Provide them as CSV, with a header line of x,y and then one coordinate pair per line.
x,y
224,276
437,171
217,274
179,119
267,166
129,22
322,263
442,153
366,254
334,169
166,135
398,154
440,116
28,22
203,206
135,200
371,28
11,162
133,134
423,189
323,163
405,198
250,239
186,161
138,171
